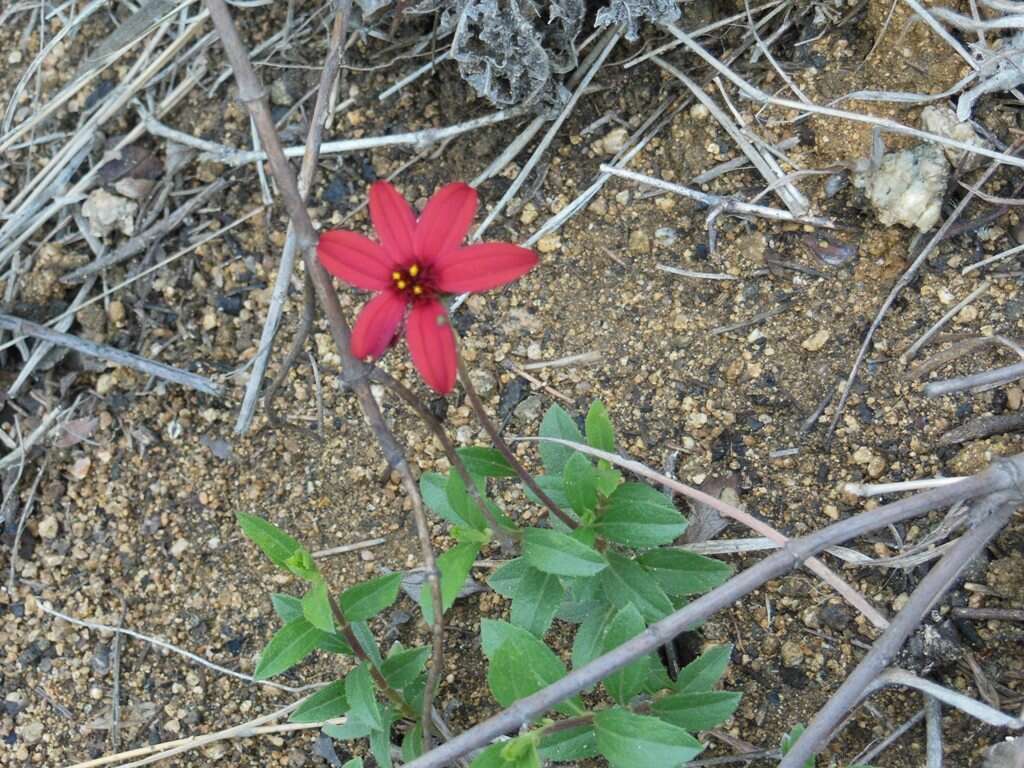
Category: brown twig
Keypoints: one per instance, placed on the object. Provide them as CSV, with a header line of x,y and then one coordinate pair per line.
x,y
502,446
113,355
932,587
382,377
378,677
354,372
1006,475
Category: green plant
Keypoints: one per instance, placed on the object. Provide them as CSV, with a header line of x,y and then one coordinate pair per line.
x,y
605,567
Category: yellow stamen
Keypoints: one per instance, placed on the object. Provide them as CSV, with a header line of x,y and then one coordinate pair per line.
x,y
396,275
414,270
417,289
401,285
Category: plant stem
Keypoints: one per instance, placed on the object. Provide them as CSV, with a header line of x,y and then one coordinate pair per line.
x,y
350,637
354,371
386,379
502,446
1005,476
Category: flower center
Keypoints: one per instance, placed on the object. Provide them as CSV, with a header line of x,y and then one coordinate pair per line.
x,y
411,281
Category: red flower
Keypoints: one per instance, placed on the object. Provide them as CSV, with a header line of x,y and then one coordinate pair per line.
x,y
415,262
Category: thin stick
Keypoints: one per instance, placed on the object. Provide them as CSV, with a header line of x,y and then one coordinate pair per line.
x,y
928,335
608,43
976,709
111,354
341,550
818,568
406,394
884,744
905,279
335,56
932,587
727,204
173,649
989,614
880,489
994,377
695,275
933,732
115,694
1004,475
502,446
354,372
584,358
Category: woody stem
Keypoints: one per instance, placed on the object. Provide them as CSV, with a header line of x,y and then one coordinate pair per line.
x,y
502,446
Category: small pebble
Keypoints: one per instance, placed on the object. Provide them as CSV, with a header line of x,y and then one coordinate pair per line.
x,y
816,341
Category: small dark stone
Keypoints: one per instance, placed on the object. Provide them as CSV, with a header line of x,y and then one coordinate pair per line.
x,y
965,409
234,645
822,475
463,320
439,408
31,656
98,94
753,423
230,305
794,678
834,616
999,401
865,413
18,609
323,747
100,661
700,252
512,394
278,113
11,738
12,708
336,191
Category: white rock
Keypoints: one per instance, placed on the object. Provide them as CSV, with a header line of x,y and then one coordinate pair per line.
x,y
943,121
907,187
107,212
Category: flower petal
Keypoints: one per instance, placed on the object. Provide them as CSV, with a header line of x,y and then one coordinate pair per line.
x,y
394,220
445,220
377,324
355,259
482,267
432,345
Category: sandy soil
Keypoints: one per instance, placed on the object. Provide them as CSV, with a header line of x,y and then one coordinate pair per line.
x,y
134,524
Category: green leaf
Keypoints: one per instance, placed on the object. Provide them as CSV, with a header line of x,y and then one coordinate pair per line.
x,y
584,599
521,752
702,673
553,486
697,711
521,664
463,505
639,516
560,554
624,581
327,703
292,643
275,543
316,607
600,434
402,667
791,738
505,578
580,484
454,565
490,757
302,564
350,730
481,461
569,745
355,762
586,646
636,741
684,573
536,601
412,744
288,608
380,741
624,684
366,600
367,641
557,423
362,701
608,479
435,496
